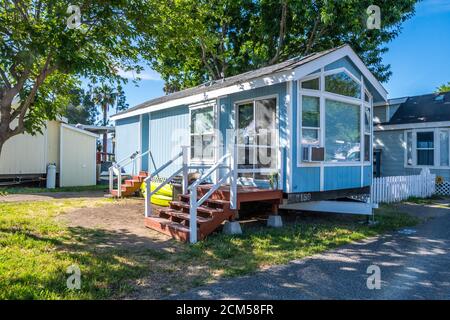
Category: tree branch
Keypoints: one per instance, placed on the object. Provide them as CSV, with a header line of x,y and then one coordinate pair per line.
x,y
25,104
282,33
5,78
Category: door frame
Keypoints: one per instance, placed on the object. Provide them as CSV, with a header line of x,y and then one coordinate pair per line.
x,y
236,104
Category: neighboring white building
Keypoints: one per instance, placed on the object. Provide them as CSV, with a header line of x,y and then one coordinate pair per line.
x,y
73,150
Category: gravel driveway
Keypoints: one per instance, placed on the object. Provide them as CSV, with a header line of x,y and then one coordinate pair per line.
x,y
414,264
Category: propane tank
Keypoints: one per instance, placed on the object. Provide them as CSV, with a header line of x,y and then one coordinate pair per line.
x,y
51,176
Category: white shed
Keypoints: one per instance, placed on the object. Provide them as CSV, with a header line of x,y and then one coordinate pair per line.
x,y
73,150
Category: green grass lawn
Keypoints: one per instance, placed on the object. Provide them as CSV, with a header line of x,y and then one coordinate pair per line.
x,y
36,249
24,190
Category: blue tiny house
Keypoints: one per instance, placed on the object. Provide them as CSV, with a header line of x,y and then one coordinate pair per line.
x,y
303,126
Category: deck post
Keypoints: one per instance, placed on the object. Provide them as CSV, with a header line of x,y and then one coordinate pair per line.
x,y
119,183
233,179
185,157
111,180
148,205
193,216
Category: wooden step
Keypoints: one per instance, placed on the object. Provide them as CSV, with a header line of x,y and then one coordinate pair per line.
x,y
201,209
182,215
170,228
187,198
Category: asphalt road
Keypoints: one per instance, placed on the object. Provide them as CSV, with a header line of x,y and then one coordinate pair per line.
x,y
414,265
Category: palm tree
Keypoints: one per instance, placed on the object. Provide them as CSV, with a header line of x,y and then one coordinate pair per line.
x,y
106,97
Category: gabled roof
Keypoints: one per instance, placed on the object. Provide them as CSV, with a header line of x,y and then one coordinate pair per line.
x,y
425,108
248,80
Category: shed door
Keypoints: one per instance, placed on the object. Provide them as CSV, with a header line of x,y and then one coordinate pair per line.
x,y
77,157
257,138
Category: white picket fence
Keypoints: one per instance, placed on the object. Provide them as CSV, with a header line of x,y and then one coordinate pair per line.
x,y
398,188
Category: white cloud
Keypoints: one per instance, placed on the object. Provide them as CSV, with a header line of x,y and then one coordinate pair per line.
x,y
148,75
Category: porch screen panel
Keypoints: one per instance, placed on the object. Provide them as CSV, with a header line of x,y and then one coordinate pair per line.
x,y
342,131
265,122
246,136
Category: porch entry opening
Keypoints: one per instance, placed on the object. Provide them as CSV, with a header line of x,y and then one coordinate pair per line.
x,y
256,135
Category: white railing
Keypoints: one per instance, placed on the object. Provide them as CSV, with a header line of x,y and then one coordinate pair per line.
x,y
228,162
184,170
116,169
398,188
195,202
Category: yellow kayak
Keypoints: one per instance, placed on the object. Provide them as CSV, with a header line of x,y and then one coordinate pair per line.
x,y
162,197
161,200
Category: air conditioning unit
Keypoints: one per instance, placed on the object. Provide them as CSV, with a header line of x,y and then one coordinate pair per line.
x,y
313,154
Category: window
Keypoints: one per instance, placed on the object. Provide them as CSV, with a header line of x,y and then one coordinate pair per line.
x,y
409,152
313,84
367,145
202,133
342,131
444,148
421,148
310,120
341,83
425,148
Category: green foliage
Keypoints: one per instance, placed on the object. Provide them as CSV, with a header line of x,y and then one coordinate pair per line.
x,y
444,88
41,58
198,40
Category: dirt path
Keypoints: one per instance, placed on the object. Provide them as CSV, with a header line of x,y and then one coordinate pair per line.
x,y
124,219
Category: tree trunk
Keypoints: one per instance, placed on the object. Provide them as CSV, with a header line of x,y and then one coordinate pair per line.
x,y
105,143
1,147
105,135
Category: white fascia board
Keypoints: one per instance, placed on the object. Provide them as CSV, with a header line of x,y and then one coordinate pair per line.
x,y
63,125
405,126
279,77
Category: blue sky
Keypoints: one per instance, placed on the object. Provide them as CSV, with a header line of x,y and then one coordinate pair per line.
x,y
419,57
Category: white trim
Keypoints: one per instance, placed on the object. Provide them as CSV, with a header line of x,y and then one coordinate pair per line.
x,y
63,125
61,152
437,148
277,130
208,104
278,77
289,136
405,126
139,164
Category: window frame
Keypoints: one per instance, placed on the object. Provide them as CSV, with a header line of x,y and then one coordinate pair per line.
x,y
323,95
437,148
351,75
318,129
202,160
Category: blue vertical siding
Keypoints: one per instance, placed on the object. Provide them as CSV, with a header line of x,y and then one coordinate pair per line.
x,y
367,178
307,179
169,130
342,177
127,138
145,141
